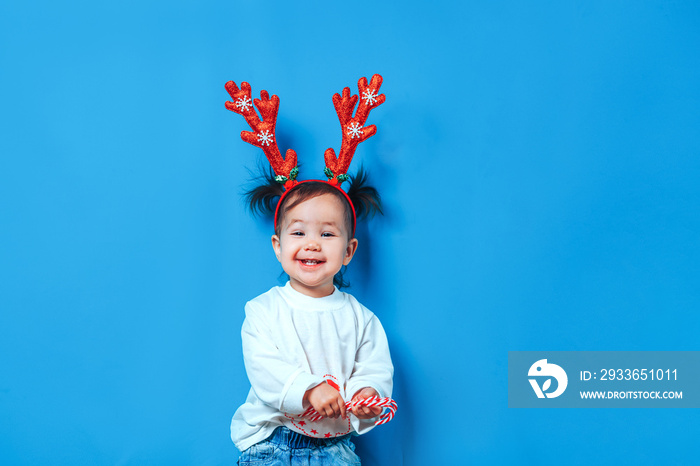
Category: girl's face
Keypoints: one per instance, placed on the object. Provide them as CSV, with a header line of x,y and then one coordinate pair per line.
x,y
313,244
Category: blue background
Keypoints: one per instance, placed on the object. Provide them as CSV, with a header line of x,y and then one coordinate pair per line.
x,y
539,164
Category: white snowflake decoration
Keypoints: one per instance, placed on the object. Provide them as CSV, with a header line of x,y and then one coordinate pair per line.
x,y
354,130
370,96
265,137
244,103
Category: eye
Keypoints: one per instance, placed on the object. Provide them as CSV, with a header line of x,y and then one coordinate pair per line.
x,y
327,234
297,233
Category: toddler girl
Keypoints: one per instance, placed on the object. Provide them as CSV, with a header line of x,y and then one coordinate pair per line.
x,y
307,344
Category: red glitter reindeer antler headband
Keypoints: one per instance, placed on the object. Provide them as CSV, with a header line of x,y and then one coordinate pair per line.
x,y
263,135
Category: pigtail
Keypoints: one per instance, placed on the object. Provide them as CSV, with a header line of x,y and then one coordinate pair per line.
x,y
262,198
338,279
367,203
365,198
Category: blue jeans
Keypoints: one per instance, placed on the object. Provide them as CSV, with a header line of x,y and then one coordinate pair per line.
x,y
287,448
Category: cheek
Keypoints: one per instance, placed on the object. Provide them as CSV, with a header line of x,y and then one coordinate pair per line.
x,y
289,248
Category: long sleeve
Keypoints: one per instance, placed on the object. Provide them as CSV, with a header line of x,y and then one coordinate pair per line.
x,y
276,382
373,367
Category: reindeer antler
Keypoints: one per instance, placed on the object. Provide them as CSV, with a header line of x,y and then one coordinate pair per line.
x,y
353,128
263,134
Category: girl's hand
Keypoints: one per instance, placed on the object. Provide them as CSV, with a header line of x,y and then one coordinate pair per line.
x,y
326,400
365,412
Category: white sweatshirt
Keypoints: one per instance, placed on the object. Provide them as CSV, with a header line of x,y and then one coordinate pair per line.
x,y
293,342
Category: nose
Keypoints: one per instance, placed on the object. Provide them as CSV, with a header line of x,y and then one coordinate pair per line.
x,y
312,245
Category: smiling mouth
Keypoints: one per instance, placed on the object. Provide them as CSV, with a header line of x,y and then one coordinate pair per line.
x,y
310,262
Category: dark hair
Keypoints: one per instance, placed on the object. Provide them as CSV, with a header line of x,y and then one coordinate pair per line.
x,y
262,200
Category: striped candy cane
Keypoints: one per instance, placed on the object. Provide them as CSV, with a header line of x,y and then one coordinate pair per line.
x,y
312,415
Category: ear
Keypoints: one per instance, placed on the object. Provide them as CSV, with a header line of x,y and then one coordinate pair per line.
x,y
350,251
276,246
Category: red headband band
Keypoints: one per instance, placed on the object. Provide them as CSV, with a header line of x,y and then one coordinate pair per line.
x,y
263,131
